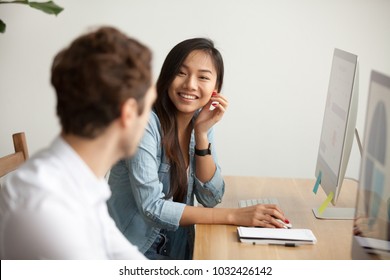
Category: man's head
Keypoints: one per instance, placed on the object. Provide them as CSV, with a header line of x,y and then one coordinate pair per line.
x,y
95,76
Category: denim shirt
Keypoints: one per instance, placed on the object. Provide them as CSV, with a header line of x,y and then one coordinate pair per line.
x,y
139,186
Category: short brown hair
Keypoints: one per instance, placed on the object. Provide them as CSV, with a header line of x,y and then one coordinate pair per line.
x,y
95,75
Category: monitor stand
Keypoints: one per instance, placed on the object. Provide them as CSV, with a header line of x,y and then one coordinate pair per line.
x,y
335,213
338,213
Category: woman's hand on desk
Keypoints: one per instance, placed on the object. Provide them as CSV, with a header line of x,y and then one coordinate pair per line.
x,y
261,215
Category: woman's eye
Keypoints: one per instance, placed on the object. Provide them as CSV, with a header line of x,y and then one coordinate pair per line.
x,y
181,73
204,78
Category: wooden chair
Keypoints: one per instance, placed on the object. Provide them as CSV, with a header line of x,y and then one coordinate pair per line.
x,y
12,161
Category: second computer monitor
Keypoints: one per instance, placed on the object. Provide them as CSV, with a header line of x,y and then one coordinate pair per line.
x,y
338,130
371,239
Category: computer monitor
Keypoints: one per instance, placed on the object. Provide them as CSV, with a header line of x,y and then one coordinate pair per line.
x,y
371,238
338,130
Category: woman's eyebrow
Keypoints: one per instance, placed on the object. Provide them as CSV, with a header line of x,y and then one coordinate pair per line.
x,y
200,70
205,70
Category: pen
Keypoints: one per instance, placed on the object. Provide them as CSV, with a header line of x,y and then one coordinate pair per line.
x,y
287,244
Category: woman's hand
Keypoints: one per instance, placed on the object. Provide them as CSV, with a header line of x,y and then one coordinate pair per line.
x,y
261,215
207,118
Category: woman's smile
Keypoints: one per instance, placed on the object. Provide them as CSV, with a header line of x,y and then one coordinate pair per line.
x,y
188,96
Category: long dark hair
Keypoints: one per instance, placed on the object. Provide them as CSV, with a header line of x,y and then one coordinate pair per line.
x,y
166,110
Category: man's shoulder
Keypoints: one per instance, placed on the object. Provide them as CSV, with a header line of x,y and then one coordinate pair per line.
x,y
37,175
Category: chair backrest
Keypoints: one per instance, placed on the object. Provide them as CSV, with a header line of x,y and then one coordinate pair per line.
x,y
12,161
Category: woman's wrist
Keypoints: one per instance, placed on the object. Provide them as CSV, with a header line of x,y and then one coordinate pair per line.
x,y
230,217
222,216
201,141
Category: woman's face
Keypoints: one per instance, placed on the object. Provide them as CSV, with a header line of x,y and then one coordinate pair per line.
x,y
192,87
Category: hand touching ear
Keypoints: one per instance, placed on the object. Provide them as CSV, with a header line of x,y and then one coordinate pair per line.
x,y
208,117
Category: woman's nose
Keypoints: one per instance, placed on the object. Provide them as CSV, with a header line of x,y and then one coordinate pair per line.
x,y
190,82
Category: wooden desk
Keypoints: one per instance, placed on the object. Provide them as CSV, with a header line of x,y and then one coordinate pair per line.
x,y
296,199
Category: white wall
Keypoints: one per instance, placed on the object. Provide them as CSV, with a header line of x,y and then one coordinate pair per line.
x,y
277,56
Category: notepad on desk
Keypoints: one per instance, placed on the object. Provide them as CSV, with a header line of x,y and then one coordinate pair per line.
x,y
277,236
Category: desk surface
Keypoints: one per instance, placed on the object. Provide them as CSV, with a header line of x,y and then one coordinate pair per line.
x,y
296,198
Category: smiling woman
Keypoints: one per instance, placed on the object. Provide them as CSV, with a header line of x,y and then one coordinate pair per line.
x,y
187,83
153,193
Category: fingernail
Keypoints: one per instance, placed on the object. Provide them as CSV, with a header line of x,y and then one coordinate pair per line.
x,y
213,105
286,221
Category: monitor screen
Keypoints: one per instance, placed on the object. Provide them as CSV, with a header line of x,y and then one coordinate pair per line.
x,y
338,125
372,219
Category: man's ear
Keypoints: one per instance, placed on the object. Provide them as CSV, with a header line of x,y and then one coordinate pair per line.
x,y
129,112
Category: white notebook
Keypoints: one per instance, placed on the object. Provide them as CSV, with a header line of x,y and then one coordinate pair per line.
x,y
278,236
